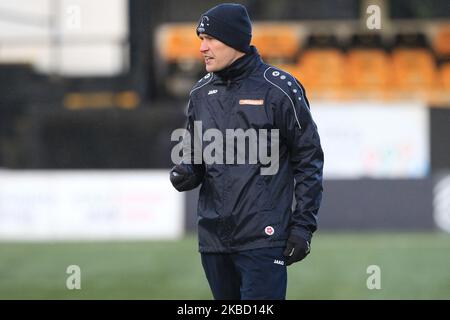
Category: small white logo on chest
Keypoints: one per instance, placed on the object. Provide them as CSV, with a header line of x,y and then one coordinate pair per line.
x,y
212,91
269,230
280,262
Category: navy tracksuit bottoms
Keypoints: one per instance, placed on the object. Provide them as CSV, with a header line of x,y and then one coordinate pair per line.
x,y
258,274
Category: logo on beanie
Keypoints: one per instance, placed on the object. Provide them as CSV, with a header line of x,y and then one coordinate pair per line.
x,y
201,27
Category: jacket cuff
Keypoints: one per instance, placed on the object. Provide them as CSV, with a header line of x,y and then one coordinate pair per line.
x,y
300,232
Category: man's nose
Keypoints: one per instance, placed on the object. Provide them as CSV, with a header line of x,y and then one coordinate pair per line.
x,y
203,46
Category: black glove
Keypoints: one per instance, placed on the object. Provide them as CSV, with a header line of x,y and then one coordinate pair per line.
x,y
296,250
183,177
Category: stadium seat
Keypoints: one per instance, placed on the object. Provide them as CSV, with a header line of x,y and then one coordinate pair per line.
x,y
179,42
322,72
414,71
411,40
276,41
441,42
368,72
371,40
440,95
292,68
128,99
312,93
444,73
322,41
443,92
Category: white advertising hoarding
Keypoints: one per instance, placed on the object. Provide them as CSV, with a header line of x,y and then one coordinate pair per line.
x,y
66,36
89,204
441,203
374,140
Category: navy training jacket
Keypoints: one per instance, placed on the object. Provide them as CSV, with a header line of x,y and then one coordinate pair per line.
x,y
239,208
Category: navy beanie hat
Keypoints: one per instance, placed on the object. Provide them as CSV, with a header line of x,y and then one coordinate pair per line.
x,y
229,23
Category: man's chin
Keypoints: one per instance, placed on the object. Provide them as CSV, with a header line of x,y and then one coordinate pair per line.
x,y
210,68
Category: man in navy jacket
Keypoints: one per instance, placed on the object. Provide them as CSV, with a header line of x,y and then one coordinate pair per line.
x,y
248,231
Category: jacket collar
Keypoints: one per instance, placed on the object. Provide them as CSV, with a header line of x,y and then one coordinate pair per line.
x,y
239,69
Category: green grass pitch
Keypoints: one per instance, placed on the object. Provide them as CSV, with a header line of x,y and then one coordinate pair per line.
x,y
413,266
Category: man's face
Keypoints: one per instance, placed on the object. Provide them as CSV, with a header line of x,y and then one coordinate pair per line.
x,y
217,54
